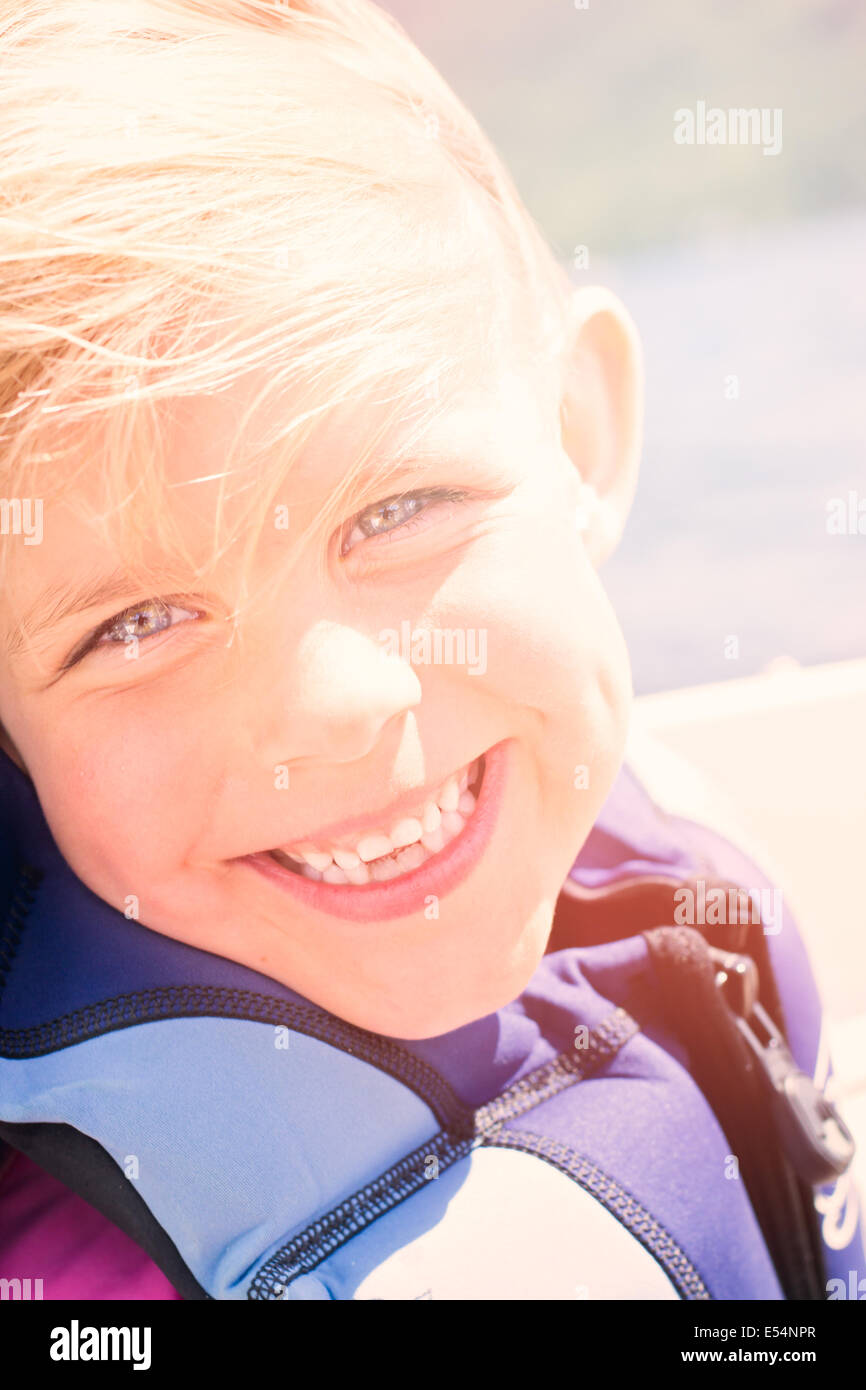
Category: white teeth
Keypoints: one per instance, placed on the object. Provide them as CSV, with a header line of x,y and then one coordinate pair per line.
x,y
317,860
449,795
434,841
346,858
416,837
373,847
411,858
385,869
406,832
431,817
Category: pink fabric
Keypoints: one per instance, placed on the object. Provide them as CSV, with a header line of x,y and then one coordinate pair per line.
x,y
49,1233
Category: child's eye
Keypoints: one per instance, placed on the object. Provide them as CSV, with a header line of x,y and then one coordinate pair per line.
x,y
392,514
135,624
144,620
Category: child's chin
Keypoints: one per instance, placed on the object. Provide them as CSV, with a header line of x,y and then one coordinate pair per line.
x,y
429,1018
415,1027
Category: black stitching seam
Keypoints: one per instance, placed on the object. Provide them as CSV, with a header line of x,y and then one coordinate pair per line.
x,y
195,1001
192,1001
322,1237
128,1010
626,1208
23,897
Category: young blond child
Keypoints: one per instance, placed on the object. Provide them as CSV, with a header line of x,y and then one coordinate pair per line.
x,y
308,664
259,287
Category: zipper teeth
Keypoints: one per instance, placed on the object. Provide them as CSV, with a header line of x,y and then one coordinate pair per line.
x,y
322,1237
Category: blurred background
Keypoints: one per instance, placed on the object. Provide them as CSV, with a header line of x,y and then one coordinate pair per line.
x,y
744,273
745,616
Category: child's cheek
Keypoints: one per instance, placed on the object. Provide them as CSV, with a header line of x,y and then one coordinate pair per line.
x,y
551,641
124,805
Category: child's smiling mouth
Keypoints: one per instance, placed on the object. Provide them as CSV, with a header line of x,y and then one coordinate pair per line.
x,y
378,855
394,873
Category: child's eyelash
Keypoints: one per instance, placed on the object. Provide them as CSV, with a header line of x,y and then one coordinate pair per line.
x,y
422,497
94,639
416,502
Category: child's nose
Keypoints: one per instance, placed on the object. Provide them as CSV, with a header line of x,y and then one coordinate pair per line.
x,y
330,699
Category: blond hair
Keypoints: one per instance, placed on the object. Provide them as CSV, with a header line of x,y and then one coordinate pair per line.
x,y
191,190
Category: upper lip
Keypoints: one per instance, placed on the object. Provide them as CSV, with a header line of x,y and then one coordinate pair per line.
x,y
353,827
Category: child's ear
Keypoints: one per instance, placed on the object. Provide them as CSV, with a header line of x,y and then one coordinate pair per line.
x,y
601,413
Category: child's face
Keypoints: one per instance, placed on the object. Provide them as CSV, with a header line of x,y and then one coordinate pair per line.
x,y
168,777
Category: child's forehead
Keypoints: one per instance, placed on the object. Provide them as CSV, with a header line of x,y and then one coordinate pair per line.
x,y
471,412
